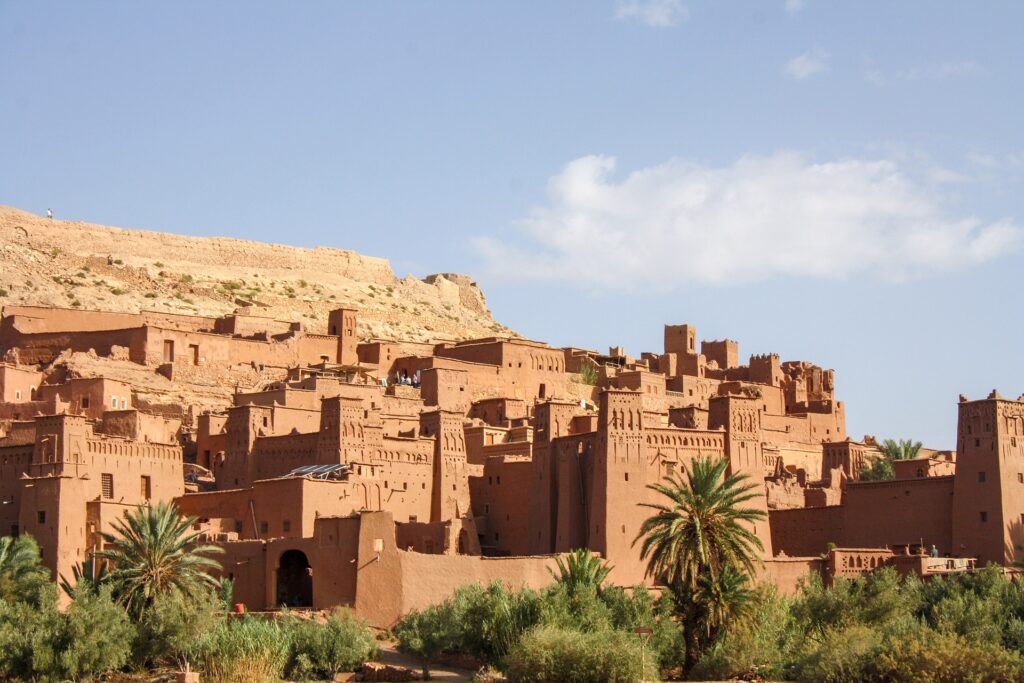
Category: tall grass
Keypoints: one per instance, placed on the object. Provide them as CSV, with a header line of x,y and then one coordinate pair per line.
x,y
246,650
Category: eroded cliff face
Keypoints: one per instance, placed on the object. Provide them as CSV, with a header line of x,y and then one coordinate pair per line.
x,y
68,264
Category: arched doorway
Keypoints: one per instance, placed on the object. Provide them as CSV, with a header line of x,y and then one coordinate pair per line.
x,y
294,580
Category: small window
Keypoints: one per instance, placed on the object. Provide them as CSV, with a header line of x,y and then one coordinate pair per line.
x,y
264,527
981,477
85,402
977,443
499,479
983,516
107,485
14,531
1020,478
627,476
287,525
238,526
17,394
113,402
487,508
146,487
412,518
41,516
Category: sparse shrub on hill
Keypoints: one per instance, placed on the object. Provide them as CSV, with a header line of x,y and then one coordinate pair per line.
x,y
322,650
588,373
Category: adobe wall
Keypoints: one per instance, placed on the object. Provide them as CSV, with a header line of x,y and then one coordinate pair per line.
x,y
26,410
803,532
788,574
497,496
36,319
315,348
401,581
899,512
873,515
18,383
726,353
14,460
44,347
249,325
139,426
923,467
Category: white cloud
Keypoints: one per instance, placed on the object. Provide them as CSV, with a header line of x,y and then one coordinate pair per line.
x,y
794,6
656,13
682,223
808,64
939,71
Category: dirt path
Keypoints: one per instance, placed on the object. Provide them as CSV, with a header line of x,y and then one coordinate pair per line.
x,y
390,655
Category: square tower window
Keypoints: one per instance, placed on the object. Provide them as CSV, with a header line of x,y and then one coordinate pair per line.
x,y
107,485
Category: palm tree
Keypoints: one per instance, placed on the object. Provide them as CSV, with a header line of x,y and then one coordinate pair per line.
x,y
697,543
904,449
21,572
153,552
86,577
581,569
727,600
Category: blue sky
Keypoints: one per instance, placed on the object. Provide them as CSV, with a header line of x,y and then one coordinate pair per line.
x,y
837,182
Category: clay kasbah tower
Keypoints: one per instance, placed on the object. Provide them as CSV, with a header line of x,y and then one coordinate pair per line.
x,y
384,473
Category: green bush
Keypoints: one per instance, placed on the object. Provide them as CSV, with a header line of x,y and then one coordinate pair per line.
x,y
168,628
41,643
760,644
245,650
838,656
945,658
320,651
428,633
548,653
492,619
638,608
22,574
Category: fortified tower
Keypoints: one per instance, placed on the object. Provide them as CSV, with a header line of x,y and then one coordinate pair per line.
x,y
343,323
342,435
450,499
741,419
243,425
621,474
988,487
551,420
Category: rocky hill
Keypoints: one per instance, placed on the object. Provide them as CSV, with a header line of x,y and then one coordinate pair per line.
x,y
72,264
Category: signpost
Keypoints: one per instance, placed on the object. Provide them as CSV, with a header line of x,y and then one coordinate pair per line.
x,y
645,635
